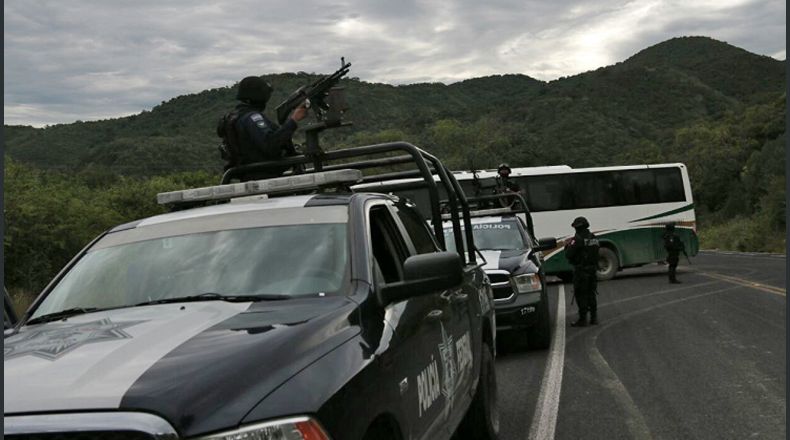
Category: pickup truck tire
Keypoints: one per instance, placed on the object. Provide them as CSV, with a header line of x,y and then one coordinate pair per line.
x,y
481,421
381,431
539,336
608,264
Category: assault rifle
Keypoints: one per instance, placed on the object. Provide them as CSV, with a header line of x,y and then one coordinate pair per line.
x,y
315,95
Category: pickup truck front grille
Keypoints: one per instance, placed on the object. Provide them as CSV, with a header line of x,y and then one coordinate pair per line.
x,y
113,425
502,293
93,435
498,277
500,284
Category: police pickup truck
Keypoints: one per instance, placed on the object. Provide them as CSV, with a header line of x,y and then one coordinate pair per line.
x,y
286,308
514,266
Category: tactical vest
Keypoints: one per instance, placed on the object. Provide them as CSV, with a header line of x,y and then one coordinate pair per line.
x,y
229,149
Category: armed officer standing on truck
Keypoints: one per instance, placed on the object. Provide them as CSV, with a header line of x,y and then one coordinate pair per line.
x,y
674,246
505,185
249,136
582,252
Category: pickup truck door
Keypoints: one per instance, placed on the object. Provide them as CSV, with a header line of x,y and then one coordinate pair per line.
x,y
454,350
411,362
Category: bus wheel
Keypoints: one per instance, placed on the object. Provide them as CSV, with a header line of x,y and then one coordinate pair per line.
x,y
607,264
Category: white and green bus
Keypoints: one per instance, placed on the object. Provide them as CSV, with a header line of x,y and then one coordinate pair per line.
x,y
627,207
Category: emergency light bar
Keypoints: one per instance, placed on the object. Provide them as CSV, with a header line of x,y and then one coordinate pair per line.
x,y
278,185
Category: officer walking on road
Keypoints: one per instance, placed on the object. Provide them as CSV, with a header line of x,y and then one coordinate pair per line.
x,y
582,252
249,136
674,246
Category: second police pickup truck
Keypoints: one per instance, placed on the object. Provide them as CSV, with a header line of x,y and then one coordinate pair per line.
x,y
514,264
288,308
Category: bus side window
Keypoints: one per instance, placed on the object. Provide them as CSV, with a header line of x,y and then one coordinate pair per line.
x,y
669,184
594,190
549,193
637,187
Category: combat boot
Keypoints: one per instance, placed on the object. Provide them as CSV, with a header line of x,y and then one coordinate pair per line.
x,y
581,322
594,318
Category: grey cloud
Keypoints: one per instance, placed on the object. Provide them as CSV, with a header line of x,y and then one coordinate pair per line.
x,y
92,59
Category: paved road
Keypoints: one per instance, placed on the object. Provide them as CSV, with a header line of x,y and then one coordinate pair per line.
x,y
705,359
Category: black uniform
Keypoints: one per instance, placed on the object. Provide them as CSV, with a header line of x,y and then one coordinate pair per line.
x,y
260,139
582,253
249,137
674,246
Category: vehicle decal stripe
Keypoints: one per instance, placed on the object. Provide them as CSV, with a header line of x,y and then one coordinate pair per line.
x,y
79,365
665,214
492,259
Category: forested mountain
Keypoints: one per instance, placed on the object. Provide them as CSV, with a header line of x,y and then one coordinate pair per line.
x,y
715,107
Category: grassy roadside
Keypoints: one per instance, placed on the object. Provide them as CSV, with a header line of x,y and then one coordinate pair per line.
x,y
743,235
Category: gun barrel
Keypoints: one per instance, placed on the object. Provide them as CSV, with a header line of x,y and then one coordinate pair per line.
x,y
315,92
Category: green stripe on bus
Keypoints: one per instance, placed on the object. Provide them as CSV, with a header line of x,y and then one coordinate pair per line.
x,y
637,246
664,214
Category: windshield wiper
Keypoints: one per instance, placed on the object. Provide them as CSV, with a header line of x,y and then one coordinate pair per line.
x,y
61,315
211,296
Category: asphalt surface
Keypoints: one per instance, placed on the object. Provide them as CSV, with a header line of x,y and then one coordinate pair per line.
x,y
705,359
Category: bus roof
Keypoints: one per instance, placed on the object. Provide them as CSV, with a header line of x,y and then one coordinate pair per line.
x,y
559,169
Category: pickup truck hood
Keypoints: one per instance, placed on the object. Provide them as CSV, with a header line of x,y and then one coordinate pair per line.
x,y
513,261
199,365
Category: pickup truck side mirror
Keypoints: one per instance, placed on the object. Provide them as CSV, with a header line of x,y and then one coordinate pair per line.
x,y
545,244
424,274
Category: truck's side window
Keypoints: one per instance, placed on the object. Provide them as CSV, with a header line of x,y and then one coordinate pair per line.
x,y
417,229
389,251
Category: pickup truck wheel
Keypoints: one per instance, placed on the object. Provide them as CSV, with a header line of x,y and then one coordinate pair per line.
x,y
481,421
539,337
380,431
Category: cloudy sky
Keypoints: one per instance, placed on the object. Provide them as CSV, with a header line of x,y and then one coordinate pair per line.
x,y
74,60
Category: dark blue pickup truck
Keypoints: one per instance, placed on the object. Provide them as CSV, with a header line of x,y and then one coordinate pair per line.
x,y
287,308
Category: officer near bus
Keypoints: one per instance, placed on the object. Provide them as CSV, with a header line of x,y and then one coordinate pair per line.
x,y
505,185
674,246
582,252
249,136
503,178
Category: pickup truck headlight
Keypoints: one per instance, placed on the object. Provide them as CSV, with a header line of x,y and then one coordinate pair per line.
x,y
526,283
296,428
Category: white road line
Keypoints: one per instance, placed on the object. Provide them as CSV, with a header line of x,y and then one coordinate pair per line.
x,y
544,421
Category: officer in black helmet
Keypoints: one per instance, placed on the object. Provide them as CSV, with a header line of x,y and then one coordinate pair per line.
x,y
582,252
249,136
503,178
505,185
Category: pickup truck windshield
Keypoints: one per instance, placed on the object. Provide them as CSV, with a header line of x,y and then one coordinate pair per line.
x,y
499,236
292,260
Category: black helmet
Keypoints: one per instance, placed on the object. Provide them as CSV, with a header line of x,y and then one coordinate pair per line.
x,y
670,226
580,222
254,89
